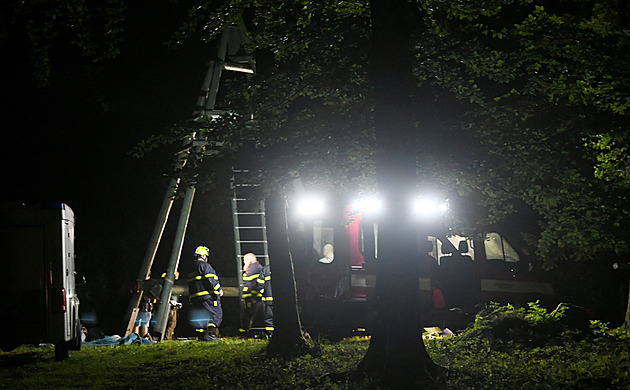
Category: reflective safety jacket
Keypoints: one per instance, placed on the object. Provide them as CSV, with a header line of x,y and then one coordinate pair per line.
x,y
203,284
264,284
251,290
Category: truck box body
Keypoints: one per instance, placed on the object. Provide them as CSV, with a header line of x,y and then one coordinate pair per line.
x,y
39,300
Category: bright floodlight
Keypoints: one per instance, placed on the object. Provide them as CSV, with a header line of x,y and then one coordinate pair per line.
x,y
429,207
237,68
309,206
367,205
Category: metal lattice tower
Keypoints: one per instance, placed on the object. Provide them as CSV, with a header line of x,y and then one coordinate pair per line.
x,y
229,57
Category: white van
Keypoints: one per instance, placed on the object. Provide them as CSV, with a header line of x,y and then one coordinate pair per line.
x,y
38,302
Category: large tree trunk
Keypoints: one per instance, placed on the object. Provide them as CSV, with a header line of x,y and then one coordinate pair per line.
x,y
288,339
396,353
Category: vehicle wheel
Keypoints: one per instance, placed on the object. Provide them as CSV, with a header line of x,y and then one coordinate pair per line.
x,y
61,351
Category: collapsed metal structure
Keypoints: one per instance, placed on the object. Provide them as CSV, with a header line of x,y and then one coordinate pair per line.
x,y
249,225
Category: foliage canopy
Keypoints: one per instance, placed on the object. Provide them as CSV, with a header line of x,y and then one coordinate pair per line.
x,y
532,108
531,103
547,86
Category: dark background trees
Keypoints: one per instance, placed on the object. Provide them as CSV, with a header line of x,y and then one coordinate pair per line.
x,y
70,140
522,103
534,77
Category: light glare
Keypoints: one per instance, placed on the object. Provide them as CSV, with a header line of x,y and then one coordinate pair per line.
x,y
429,207
367,205
310,206
236,68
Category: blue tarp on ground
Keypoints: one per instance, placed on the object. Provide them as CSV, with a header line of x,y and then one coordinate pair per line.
x,y
133,338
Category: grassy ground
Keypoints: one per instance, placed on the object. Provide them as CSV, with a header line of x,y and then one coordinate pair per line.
x,y
229,364
506,348
240,364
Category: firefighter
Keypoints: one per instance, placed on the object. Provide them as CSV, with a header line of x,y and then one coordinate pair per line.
x,y
205,296
252,294
264,284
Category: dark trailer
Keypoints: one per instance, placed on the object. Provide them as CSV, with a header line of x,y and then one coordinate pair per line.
x,y
37,283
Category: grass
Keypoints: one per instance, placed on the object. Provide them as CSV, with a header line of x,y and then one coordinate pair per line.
x,y
532,354
230,364
240,364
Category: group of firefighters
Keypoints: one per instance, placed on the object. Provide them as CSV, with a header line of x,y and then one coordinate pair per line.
x,y
205,294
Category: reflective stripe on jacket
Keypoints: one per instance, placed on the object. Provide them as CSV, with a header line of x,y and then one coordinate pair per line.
x,y
203,283
264,282
250,281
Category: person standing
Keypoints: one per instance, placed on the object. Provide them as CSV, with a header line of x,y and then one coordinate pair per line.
x,y
143,318
174,306
205,294
251,291
264,283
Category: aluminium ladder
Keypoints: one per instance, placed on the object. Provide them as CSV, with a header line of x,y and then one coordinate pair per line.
x,y
250,225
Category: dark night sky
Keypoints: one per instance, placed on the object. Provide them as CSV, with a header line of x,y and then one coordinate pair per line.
x,y
69,142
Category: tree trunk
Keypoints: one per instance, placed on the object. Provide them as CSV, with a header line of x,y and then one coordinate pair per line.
x,y
288,339
396,353
627,320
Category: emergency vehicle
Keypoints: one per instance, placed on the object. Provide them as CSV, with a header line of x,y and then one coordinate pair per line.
x,y
39,301
336,262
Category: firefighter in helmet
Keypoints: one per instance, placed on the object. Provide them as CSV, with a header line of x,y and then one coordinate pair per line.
x,y
205,296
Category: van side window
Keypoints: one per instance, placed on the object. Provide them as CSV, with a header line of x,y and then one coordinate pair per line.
x,y
433,246
323,242
368,240
497,248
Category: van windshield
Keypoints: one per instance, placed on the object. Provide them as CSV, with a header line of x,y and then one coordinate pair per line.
x,y
497,248
447,246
